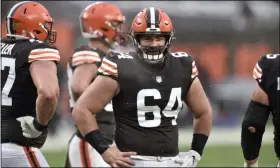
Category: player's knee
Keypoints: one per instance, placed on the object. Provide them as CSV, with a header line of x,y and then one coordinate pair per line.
x,y
253,127
255,118
48,94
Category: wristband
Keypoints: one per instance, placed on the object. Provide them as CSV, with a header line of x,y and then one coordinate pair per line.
x,y
96,140
39,126
198,143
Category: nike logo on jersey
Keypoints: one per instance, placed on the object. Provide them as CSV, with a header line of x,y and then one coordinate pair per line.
x,y
6,49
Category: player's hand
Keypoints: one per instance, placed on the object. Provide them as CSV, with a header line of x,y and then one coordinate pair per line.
x,y
31,128
115,158
188,159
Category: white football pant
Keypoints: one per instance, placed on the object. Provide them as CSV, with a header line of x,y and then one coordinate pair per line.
x,y
14,155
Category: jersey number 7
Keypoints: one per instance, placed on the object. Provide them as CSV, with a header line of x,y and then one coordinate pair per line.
x,y
8,64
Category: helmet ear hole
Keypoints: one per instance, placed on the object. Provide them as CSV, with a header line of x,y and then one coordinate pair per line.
x,y
37,31
14,26
104,29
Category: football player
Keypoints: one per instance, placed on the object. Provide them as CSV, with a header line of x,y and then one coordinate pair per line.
x,y
148,88
101,25
29,84
265,99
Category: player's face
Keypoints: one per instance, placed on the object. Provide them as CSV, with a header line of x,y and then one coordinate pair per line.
x,y
152,40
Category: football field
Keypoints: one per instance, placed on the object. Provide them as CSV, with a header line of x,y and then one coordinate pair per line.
x,y
222,156
223,148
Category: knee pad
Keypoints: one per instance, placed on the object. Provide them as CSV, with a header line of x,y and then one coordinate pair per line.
x,y
253,127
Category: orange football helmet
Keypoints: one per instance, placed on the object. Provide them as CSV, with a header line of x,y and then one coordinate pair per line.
x,y
152,21
32,20
102,20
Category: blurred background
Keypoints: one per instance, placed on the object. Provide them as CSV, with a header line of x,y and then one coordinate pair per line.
x,y
226,38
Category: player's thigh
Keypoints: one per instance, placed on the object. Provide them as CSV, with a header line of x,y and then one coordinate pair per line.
x,y
82,154
17,156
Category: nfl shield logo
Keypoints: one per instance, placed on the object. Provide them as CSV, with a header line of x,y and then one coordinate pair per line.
x,y
158,79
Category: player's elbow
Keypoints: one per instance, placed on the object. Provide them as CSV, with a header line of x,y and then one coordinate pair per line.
x,y
49,93
204,112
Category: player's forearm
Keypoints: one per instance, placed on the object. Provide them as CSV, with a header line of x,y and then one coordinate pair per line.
x,y
45,106
84,119
201,131
203,123
88,127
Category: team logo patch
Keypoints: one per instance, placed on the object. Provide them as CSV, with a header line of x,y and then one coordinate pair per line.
x,y
158,79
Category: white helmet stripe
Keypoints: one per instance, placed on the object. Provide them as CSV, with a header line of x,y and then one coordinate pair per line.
x,y
153,18
10,14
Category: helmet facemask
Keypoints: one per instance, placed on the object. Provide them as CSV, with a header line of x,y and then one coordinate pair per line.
x,y
51,37
118,38
152,54
103,33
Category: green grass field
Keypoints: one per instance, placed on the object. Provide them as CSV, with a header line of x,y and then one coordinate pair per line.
x,y
220,156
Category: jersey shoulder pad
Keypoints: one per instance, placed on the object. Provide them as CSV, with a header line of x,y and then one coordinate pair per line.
x,y
264,66
85,55
187,61
109,65
40,51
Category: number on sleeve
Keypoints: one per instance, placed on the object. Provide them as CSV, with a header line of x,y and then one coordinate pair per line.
x,y
124,56
272,56
8,62
179,54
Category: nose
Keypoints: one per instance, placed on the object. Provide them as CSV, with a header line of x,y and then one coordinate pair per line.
x,y
155,42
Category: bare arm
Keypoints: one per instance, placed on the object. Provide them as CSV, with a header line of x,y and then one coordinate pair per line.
x,y
198,104
92,101
260,96
44,75
82,77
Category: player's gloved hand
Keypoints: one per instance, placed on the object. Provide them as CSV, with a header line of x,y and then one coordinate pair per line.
x,y
31,128
115,158
188,159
